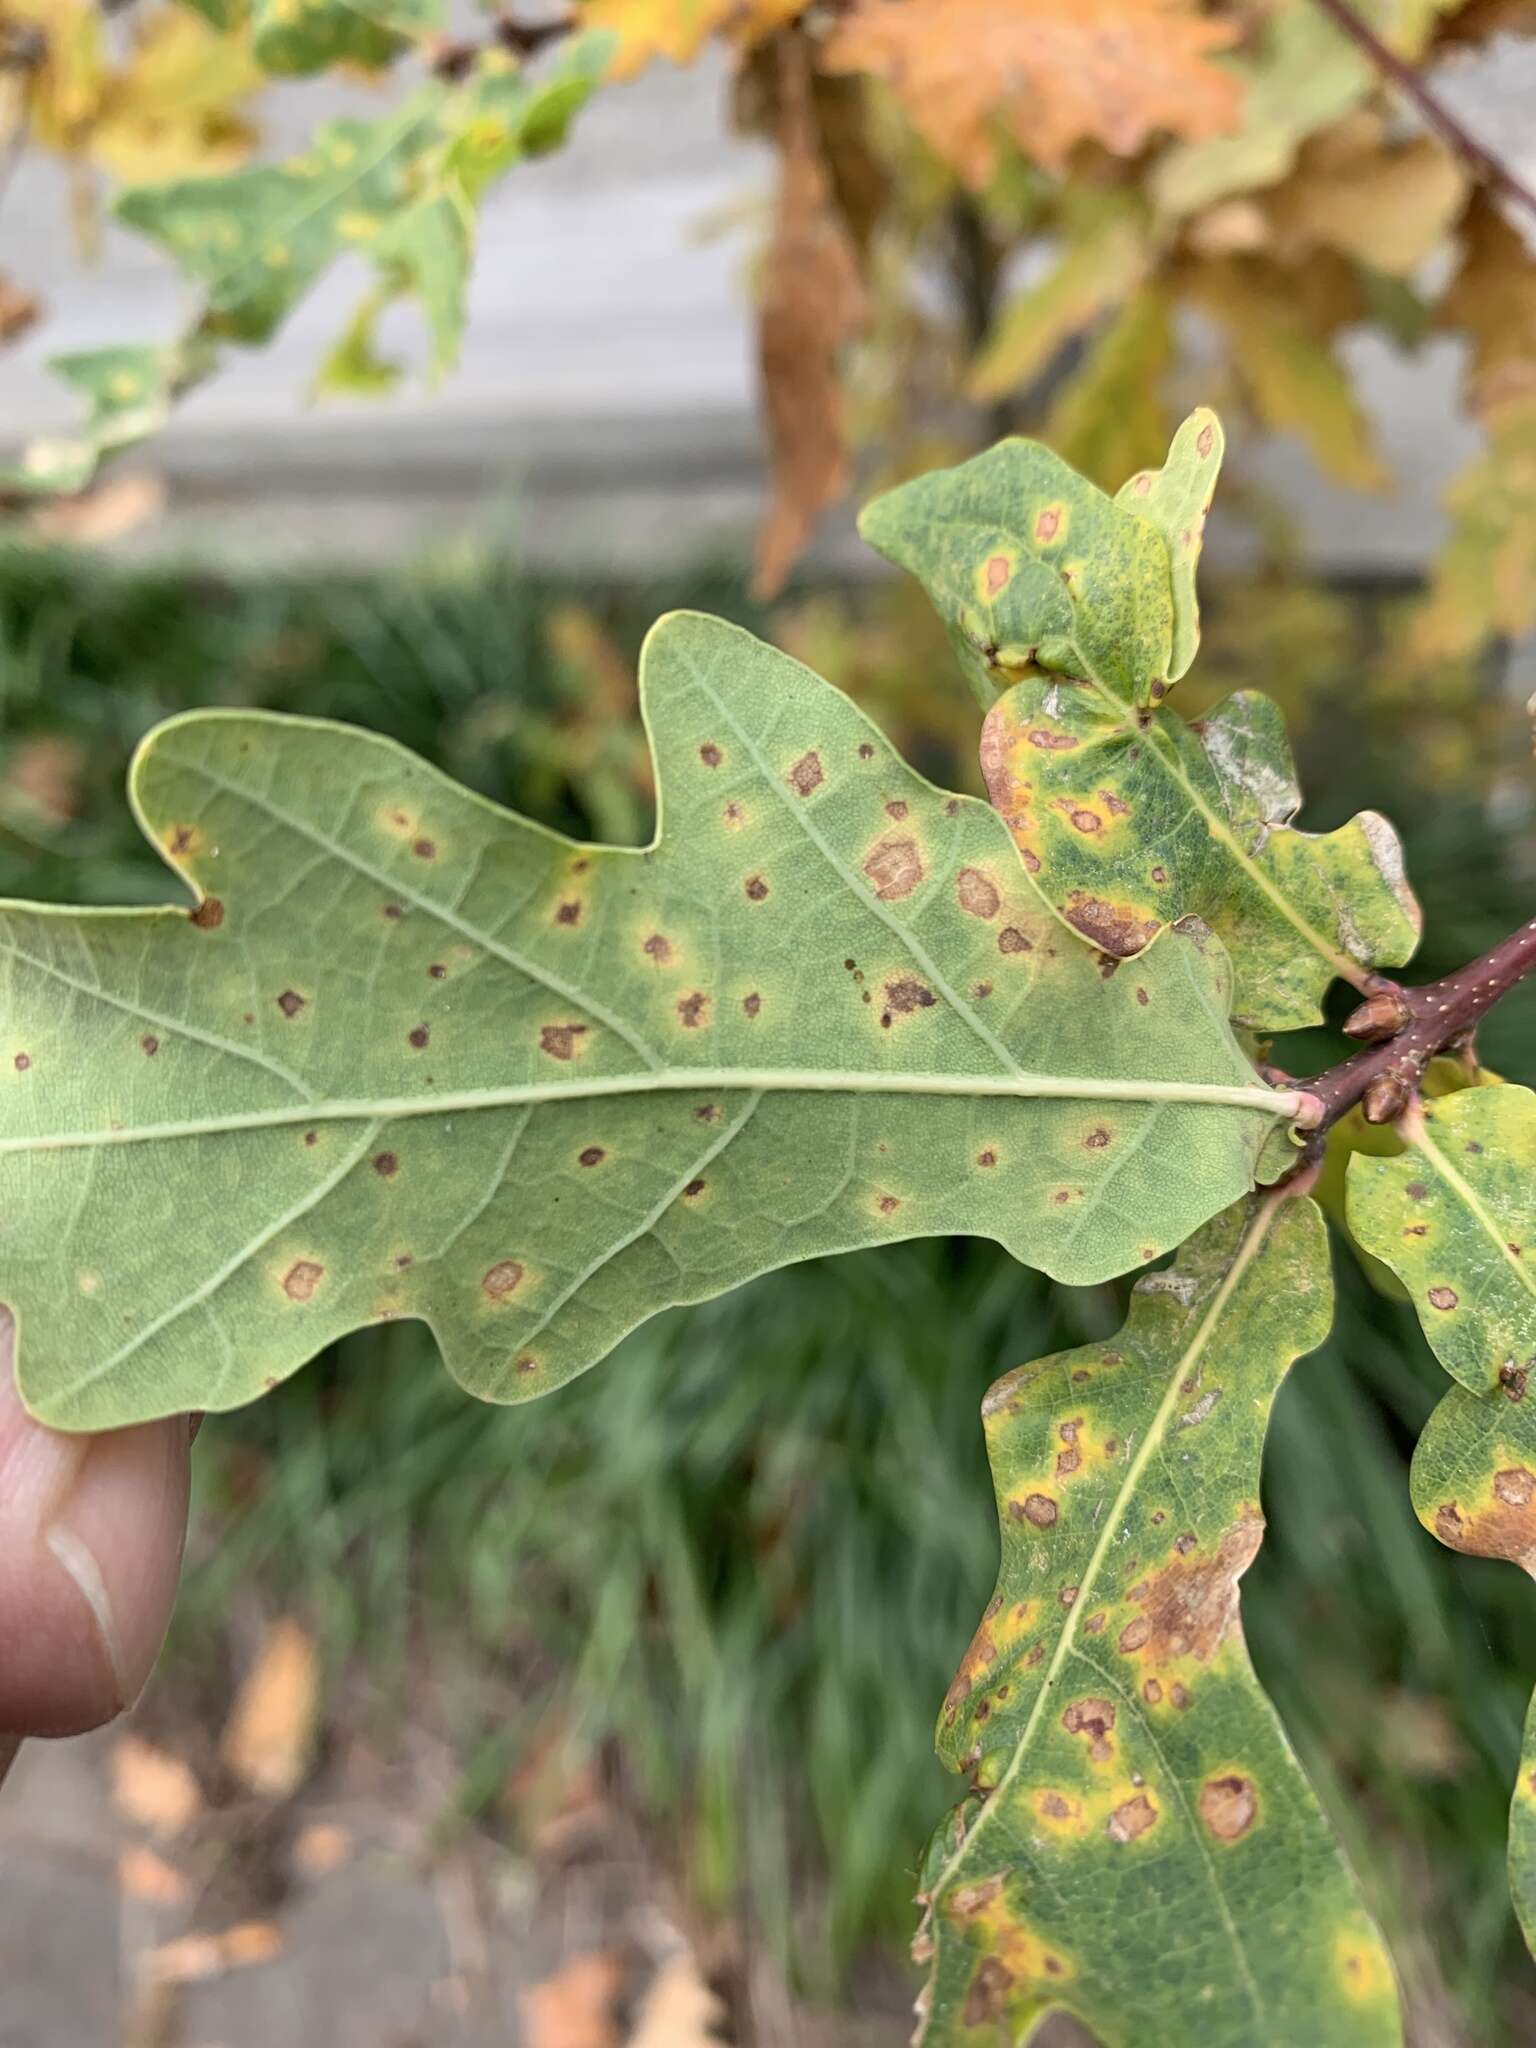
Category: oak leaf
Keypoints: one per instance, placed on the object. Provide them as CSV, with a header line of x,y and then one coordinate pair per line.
x,y
1046,76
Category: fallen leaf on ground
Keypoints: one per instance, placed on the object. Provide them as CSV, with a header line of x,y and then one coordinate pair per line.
x,y
678,2010
321,1848
18,311
195,1958
271,1728
578,2006
148,1878
156,1790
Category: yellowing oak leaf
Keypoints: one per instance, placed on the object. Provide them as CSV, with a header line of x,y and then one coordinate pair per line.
x,y
1045,75
170,108
679,29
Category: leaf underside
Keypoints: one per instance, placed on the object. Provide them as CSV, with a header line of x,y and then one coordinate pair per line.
x,y
413,1056
1142,1850
1081,610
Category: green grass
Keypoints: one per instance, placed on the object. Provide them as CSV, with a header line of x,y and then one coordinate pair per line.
x,y
745,1554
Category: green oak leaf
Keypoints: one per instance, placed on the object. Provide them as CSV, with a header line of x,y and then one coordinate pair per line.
x,y
1130,821
297,37
1033,568
410,1055
128,392
1473,1484
1454,1216
1141,1849
1129,817
1176,499
401,192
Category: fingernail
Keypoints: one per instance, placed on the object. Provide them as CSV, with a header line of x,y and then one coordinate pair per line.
x,y
115,1532
76,1558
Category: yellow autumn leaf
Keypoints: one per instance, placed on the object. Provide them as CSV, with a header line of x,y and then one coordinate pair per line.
x,y
168,108
1100,265
679,29
1279,325
1043,73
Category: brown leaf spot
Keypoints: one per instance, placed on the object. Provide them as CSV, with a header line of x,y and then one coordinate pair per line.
x,y
569,912
967,1900
419,1037
387,1164
1055,1806
1040,1509
988,1158
888,1205
1083,820
22,1062
1443,1297
1116,806
998,571
311,1137
986,2001
1142,997
290,1002
424,849
1112,927
1189,1606
1152,1692
756,888
301,1279
1050,742
592,1155
694,1187
693,1010
150,1043
896,810
1011,940
806,775
658,948
393,911
208,915
981,990
907,995
894,868
501,1279
710,754
1180,1695
1048,524
866,751
751,1004
1136,1634
1514,1486
1203,442
1416,1191
1228,1806
1091,1718
1097,1139
1131,1819
559,1040
976,893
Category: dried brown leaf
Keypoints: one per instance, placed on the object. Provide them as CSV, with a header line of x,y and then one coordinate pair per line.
x,y
813,304
157,1791
678,2010
578,2006
149,1879
271,1728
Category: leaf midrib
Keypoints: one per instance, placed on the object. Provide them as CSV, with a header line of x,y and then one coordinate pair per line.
x,y
1279,1103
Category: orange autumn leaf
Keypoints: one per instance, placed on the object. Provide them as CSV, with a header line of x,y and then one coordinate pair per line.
x,y
1047,73
812,306
154,1789
270,1734
578,2006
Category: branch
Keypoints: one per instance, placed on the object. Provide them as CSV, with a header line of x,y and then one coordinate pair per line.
x,y
1491,169
1409,1027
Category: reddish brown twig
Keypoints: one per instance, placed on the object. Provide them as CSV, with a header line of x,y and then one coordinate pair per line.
x,y
1410,1026
1479,158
